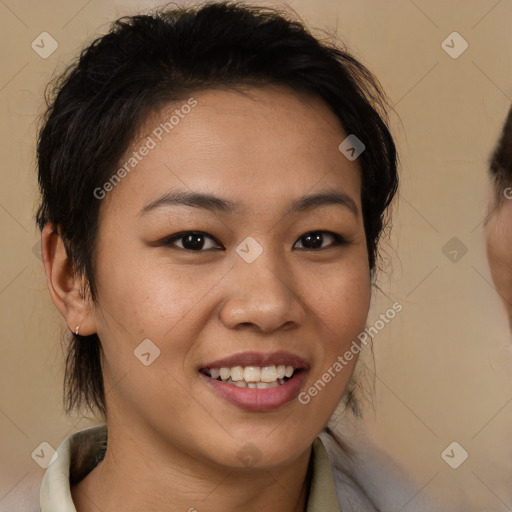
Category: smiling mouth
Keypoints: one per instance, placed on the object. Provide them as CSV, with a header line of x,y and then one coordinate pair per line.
x,y
253,377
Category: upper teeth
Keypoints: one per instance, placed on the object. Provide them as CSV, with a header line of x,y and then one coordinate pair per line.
x,y
253,373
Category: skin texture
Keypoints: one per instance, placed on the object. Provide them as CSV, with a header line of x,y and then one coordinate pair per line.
x,y
499,251
173,443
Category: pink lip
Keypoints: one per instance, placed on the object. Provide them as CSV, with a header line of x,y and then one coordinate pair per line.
x,y
257,399
259,359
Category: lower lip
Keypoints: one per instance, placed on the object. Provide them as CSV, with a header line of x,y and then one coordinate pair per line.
x,y
258,399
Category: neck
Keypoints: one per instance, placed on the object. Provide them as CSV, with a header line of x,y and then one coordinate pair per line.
x,y
146,476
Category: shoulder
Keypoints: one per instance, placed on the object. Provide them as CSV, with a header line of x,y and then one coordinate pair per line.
x,y
78,454
369,478
24,496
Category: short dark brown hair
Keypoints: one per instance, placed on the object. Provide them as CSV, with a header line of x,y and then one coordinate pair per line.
x,y
501,160
144,62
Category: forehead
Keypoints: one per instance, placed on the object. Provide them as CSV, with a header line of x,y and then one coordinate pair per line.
x,y
267,142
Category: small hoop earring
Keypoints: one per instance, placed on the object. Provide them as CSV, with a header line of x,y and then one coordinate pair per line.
x,y
77,329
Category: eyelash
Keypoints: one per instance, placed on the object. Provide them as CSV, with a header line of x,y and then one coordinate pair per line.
x,y
169,241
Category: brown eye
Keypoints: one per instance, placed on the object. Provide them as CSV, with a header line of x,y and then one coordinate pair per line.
x,y
315,239
191,241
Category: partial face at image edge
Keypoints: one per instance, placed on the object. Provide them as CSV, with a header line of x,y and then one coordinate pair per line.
x,y
499,222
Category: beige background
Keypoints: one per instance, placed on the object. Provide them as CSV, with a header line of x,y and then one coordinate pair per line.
x,y
444,364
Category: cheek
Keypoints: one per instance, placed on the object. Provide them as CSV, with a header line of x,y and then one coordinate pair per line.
x,y
343,297
141,301
499,252
340,303
147,296
147,300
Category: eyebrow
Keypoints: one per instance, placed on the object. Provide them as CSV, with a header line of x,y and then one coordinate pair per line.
x,y
221,205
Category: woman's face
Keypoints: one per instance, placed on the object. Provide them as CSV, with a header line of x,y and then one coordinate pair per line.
x,y
254,289
499,249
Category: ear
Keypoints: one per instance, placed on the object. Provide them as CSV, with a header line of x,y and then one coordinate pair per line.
x,y
63,285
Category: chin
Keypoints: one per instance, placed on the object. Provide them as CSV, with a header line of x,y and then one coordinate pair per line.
x,y
263,452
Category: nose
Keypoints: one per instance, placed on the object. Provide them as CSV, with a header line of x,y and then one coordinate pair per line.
x,y
262,296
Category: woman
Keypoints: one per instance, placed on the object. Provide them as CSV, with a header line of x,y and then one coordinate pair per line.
x,y
499,225
214,183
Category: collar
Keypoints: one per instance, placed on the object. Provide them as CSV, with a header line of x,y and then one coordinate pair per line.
x,y
80,452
